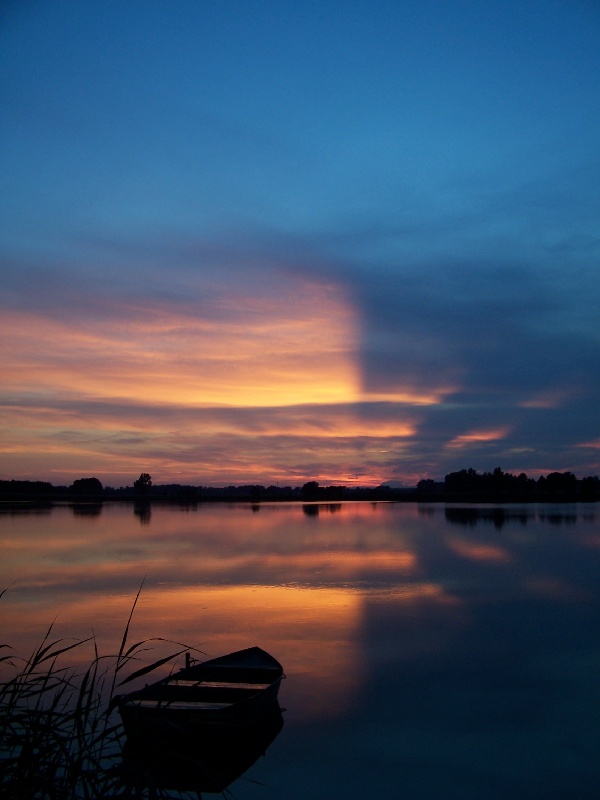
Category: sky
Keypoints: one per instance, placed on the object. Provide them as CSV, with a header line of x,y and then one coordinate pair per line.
x,y
272,242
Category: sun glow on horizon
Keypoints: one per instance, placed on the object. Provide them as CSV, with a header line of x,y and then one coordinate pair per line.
x,y
249,386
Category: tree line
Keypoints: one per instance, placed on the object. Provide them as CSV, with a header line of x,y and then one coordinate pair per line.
x,y
466,485
499,486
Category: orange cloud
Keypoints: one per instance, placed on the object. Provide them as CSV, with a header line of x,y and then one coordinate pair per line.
x,y
548,586
416,397
297,346
475,437
551,399
226,383
594,444
177,443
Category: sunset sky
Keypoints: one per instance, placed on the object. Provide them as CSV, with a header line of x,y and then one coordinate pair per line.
x,y
272,242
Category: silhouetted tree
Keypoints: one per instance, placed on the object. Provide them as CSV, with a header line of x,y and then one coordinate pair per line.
x,y
143,484
25,489
561,485
310,490
466,480
426,488
88,486
523,486
590,488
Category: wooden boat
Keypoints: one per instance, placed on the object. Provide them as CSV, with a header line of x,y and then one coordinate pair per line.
x,y
214,699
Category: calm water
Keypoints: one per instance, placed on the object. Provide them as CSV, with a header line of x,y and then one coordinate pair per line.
x,y
430,652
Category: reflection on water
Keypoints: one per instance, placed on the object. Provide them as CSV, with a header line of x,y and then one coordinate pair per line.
x,y
87,509
143,511
499,516
430,651
314,509
201,764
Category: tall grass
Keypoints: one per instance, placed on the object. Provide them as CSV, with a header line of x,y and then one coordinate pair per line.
x,y
60,737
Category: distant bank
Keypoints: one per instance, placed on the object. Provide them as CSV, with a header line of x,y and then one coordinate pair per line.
x,y
466,485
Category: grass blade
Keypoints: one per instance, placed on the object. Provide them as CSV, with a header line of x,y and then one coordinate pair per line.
x,y
145,670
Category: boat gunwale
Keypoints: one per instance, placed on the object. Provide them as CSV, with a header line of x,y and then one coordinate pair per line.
x,y
242,694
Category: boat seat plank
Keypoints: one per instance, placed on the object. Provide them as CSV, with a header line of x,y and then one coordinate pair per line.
x,y
180,706
170,692
256,687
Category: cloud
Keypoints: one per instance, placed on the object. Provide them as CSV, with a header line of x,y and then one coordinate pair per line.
x,y
244,346
472,437
266,358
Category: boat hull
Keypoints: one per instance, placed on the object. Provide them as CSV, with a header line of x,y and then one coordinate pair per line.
x,y
215,699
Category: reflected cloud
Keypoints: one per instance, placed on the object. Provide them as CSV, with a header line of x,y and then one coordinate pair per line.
x,y
218,579
414,594
553,588
592,540
479,551
322,594
345,566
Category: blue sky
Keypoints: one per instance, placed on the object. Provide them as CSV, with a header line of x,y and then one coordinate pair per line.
x,y
272,242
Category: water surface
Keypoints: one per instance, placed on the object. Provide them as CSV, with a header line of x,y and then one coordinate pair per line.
x,y
430,651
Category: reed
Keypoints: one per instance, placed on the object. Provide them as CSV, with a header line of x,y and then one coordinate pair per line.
x,y
60,737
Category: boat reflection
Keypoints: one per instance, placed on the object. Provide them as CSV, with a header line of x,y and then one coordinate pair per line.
x,y
207,762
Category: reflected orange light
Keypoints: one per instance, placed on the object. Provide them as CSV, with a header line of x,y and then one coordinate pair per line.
x,y
221,579
553,588
312,632
347,565
214,564
415,593
591,540
478,551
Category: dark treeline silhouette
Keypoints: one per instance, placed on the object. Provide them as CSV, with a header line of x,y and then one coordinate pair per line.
x,y
502,487
466,485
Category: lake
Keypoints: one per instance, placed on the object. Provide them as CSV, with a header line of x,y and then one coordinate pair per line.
x,y
430,651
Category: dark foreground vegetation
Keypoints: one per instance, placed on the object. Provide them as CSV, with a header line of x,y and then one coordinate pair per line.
x,y
466,485
60,737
